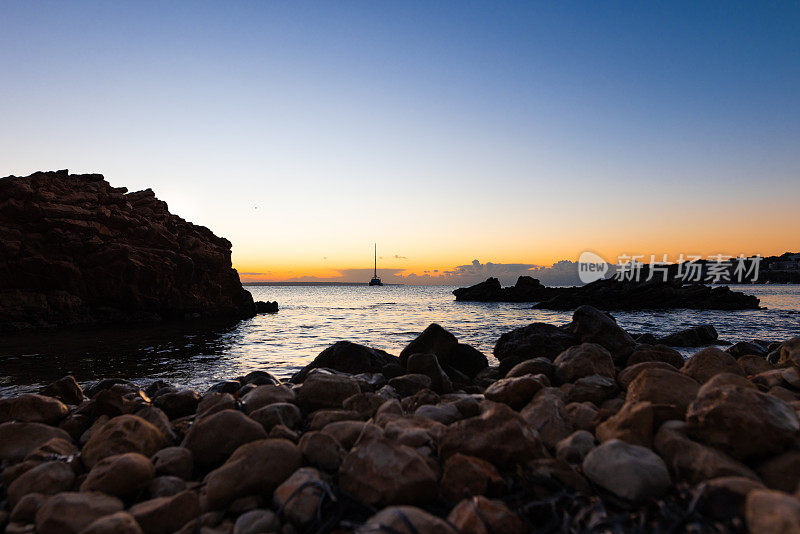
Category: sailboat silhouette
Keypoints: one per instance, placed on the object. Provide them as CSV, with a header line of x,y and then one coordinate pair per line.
x,y
375,280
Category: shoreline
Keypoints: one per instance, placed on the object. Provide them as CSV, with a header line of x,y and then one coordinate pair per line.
x,y
574,418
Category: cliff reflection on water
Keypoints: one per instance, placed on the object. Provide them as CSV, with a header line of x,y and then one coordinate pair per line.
x,y
311,318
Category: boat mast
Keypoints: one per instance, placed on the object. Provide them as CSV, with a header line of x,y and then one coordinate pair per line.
x,y
375,272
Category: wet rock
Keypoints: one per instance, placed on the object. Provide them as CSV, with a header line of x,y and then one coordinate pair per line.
x,y
533,366
728,379
27,506
259,378
499,435
754,348
630,472
709,362
789,353
533,341
629,374
47,478
257,467
19,439
465,359
656,353
165,486
323,390
32,408
348,357
594,388
660,386
54,449
743,422
583,415
321,418
66,389
772,511
781,472
178,403
174,461
590,325
126,433
377,470
575,447
583,360
365,404
480,515
278,413
696,336
516,392
547,414
266,395
158,419
256,522
433,340
466,476
634,424
725,496
409,384
427,364
321,450
164,515
301,495
405,519
118,523
692,461
71,512
121,475
213,402
344,432
226,386
213,438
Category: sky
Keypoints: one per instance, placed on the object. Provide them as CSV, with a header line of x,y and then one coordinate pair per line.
x,y
507,134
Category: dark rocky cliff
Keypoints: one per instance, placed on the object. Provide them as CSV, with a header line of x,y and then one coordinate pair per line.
x,y
74,250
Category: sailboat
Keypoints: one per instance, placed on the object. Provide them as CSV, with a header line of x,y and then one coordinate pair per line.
x,y
375,280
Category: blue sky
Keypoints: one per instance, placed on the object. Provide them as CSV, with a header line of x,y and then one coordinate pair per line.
x,y
509,132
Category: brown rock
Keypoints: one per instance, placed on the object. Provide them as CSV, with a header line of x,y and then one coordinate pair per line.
x,y
277,413
344,432
547,414
406,519
466,476
213,402
164,515
480,515
727,379
789,353
427,364
753,365
121,475
410,384
54,449
301,495
256,467
266,395
366,404
32,408
25,510
593,388
583,360
174,461
663,387
499,435
126,433
583,415
71,512
118,523
256,522
433,340
630,472
66,389
575,447
772,512
284,432
632,424
656,353
377,470
591,325
47,478
516,392
179,403
629,374
694,462
321,418
325,390
214,438
158,419
742,422
165,486
534,366
709,362
321,450
19,439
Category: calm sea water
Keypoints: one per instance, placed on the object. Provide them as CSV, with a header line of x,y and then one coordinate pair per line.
x,y
312,318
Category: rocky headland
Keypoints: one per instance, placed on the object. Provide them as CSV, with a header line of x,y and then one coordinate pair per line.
x,y
76,251
581,428
611,294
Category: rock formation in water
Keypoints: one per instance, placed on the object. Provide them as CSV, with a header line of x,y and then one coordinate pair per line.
x,y
75,251
611,294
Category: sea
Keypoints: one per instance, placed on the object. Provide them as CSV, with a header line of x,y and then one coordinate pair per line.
x,y
311,318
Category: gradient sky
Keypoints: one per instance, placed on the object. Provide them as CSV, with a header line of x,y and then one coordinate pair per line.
x,y
514,133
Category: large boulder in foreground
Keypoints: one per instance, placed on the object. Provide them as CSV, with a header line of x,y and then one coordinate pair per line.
x,y
78,251
348,357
